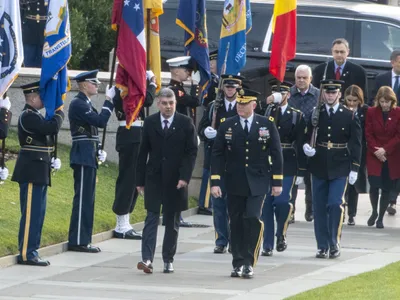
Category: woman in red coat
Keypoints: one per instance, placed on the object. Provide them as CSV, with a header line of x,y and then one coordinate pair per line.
x,y
382,132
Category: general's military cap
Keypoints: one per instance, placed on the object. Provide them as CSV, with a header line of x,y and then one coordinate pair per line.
x,y
90,76
245,95
213,54
181,62
331,84
31,87
232,80
283,88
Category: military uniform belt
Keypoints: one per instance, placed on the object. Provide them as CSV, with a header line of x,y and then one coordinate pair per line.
x,y
79,138
286,145
37,148
137,123
330,145
36,17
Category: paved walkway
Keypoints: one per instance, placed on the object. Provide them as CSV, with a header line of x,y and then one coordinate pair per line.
x,y
200,274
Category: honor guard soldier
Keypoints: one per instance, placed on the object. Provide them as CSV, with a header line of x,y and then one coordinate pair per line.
x,y
85,154
213,87
334,160
225,108
34,16
127,146
32,172
181,69
291,127
241,154
5,120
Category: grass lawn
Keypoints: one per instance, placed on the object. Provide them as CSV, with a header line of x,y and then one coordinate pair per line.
x,y
59,202
375,285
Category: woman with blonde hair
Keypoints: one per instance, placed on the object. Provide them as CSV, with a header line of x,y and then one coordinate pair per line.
x,y
382,132
354,100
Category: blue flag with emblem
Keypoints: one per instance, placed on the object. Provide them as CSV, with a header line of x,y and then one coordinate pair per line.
x,y
54,82
192,18
236,24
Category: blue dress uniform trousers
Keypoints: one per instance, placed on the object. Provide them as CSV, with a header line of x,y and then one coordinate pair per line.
x,y
81,225
149,236
221,218
33,207
328,205
280,207
205,195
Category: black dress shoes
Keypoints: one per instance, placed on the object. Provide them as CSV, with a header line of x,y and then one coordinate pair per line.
x,y
129,235
351,221
204,211
247,272
267,252
229,248
391,209
84,248
372,219
36,261
168,268
309,216
379,224
334,252
322,253
219,249
281,244
145,266
237,272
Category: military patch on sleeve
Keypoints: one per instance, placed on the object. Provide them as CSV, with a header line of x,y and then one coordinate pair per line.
x,y
271,119
222,120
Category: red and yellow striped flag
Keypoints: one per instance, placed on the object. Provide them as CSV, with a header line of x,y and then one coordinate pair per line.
x,y
284,27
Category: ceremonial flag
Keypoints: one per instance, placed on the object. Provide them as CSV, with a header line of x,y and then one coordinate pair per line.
x,y
128,17
11,49
284,25
192,18
153,33
54,82
236,23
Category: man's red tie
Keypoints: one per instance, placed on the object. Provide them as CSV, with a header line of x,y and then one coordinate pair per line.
x,y
337,74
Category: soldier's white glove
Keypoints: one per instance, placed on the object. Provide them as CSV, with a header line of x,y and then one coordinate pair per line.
x,y
149,75
110,92
353,177
308,150
5,103
299,180
277,98
3,173
55,163
102,155
210,132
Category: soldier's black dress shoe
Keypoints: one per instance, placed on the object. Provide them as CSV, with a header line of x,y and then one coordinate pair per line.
x,y
281,244
334,252
237,272
229,248
267,252
145,266
219,249
309,216
379,224
322,253
168,268
372,219
204,211
247,272
84,248
129,235
391,209
36,261
351,221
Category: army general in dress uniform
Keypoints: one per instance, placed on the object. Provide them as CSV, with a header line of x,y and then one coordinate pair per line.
x,y
291,128
32,172
85,154
240,155
335,157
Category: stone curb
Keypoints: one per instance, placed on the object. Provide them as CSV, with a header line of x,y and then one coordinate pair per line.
x,y
51,250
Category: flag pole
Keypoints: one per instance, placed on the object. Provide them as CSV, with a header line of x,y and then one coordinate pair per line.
x,y
3,149
148,11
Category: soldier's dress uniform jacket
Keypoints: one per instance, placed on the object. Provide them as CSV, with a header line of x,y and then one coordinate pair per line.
x,y
184,102
32,172
84,123
243,161
211,92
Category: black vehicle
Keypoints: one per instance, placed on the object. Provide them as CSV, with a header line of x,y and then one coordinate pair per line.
x,y
373,31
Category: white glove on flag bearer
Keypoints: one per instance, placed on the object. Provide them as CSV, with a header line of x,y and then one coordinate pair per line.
x,y
102,155
353,177
299,180
55,163
210,132
5,103
308,150
3,173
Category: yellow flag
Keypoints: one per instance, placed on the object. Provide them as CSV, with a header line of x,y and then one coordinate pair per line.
x,y
153,9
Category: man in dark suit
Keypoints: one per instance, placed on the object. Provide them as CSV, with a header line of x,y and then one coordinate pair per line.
x,y
341,69
166,161
241,154
392,79
32,172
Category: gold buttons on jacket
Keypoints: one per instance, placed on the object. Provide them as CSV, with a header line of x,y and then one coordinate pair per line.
x,y
246,165
247,150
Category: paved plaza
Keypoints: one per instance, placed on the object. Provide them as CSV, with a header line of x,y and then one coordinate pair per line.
x,y
200,274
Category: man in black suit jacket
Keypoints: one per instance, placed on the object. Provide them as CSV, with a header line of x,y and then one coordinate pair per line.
x,y
166,161
341,69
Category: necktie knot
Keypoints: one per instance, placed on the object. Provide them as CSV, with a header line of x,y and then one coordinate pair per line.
x,y
246,126
331,111
166,125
